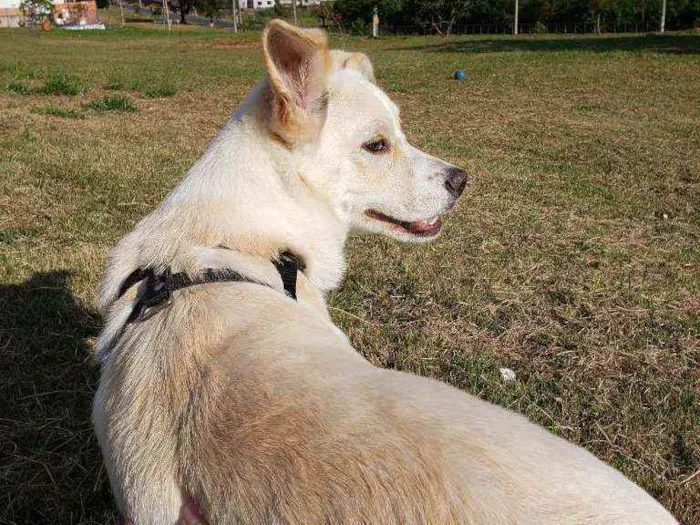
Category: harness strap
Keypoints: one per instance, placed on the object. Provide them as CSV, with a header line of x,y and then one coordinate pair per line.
x,y
287,266
134,277
160,286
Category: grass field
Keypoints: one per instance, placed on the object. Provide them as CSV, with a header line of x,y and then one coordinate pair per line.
x,y
574,260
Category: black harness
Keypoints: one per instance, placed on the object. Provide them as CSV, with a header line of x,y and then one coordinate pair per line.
x,y
158,293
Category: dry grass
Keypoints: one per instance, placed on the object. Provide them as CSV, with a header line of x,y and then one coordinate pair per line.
x,y
574,260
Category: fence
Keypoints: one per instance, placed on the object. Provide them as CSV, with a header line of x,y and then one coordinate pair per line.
x,y
495,29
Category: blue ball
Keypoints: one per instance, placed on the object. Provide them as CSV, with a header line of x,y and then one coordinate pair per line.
x,y
460,75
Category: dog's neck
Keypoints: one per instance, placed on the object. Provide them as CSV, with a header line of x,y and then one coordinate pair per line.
x,y
244,193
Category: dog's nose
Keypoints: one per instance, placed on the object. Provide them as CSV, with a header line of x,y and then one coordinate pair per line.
x,y
456,181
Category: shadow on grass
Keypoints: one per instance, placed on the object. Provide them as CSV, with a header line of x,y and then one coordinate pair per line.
x,y
50,468
668,44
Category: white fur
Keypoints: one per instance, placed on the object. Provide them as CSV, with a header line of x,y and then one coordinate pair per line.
x,y
171,383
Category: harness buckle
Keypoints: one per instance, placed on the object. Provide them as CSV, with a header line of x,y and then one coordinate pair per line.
x,y
157,295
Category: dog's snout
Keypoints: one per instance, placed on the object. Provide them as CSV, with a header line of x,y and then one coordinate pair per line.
x,y
456,181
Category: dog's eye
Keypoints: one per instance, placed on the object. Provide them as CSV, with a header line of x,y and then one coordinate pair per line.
x,y
376,146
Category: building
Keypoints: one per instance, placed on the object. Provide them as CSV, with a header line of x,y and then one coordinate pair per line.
x,y
66,13
303,3
10,15
256,4
70,13
268,4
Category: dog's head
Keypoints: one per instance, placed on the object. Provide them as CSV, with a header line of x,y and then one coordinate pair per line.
x,y
345,136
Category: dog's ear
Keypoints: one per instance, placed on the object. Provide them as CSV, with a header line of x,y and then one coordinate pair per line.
x,y
356,61
298,65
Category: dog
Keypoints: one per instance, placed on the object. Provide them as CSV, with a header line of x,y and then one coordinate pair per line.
x,y
224,381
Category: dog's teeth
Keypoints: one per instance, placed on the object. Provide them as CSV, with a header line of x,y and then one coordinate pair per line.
x,y
433,220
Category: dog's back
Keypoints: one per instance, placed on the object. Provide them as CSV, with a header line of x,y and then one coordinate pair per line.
x,y
253,403
290,425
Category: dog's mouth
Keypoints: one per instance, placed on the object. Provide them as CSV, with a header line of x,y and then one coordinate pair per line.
x,y
423,228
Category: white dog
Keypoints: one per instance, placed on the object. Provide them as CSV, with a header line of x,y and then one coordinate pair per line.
x,y
224,380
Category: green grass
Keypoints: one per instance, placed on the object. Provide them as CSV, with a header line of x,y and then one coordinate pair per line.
x,y
61,83
573,259
57,111
160,91
19,87
114,84
114,103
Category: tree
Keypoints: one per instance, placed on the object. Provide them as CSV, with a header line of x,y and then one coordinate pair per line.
x,y
324,12
444,14
597,8
390,11
37,11
211,8
184,7
447,16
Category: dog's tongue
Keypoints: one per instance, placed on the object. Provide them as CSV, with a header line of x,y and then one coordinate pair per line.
x,y
419,226
424,226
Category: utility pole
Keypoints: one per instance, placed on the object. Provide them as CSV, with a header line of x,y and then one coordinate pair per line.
x,y
235,16
515,26
663,16
294,10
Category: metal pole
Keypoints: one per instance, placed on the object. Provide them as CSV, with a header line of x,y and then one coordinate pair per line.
x,y
663,16
294,10
235,17
121,12
515,26
166,11
375,22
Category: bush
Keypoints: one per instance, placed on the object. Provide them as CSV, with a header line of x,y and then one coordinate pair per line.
x,y
391,12
260,18
114,103
539,28
358,27
59,83
19,87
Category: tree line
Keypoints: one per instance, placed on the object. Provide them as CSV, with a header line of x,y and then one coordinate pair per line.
x,y
444,16
447,16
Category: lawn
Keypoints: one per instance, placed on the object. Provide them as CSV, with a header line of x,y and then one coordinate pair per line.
x,y
574,260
